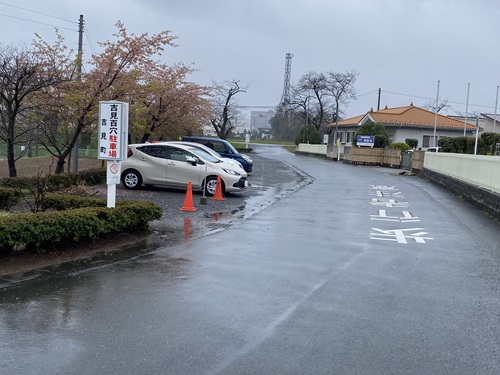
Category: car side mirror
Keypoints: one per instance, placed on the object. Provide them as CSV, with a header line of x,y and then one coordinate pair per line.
x,y
192,160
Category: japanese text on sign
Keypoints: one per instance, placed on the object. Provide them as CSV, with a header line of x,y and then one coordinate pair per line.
x,y
110,130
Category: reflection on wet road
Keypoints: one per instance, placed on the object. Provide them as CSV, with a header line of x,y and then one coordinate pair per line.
x,y
299,287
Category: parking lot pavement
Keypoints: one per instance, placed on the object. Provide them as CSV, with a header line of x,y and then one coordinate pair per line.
x,y
270,180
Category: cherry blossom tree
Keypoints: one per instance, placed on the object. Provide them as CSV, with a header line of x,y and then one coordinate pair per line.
x,y
165,105
110,75
23,74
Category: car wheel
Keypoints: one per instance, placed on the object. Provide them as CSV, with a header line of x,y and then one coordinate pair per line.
x,y
211,185
132,180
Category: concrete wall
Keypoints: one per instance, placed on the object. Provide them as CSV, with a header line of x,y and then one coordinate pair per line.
x,y
475,178
306,148
479,170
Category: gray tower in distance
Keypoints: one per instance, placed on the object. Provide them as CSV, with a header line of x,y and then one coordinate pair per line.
x,y
285,97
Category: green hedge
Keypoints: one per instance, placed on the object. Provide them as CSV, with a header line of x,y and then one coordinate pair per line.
x,y
41,231
54,182
9,197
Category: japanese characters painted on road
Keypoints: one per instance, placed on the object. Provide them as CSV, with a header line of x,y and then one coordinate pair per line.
x,y
113,130
386,198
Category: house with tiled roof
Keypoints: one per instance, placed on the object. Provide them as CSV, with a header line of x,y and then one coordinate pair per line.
x,y
405,122
488,122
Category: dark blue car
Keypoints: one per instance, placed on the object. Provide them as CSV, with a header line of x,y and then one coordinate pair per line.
x,y
224,148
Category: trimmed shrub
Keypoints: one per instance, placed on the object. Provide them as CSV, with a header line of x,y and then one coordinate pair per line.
x,y
309,134
9,197
54,182
412,142
38,232
402,146
376,129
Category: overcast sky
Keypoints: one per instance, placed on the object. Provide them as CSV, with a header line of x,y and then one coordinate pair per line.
x,y
401,46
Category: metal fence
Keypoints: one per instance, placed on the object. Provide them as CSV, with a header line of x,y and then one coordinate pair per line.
x,y
39,151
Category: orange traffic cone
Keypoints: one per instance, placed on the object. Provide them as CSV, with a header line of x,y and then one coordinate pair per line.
x,y
188,201
218,191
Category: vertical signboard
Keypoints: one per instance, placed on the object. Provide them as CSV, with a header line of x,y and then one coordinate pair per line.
x,y
112,142
112,116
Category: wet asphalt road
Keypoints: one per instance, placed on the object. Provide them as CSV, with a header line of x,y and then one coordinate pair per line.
x,y
358,271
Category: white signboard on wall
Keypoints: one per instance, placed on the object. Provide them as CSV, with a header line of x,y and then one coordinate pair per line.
x,y
365,140
113,130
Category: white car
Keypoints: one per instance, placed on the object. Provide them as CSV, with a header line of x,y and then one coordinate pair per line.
x,y
433,149
214,153
175,165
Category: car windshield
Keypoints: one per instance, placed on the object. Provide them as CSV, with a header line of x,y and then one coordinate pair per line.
x,y
204,155
212,152
233,150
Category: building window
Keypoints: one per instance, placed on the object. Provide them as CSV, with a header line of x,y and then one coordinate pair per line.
x,y
426,142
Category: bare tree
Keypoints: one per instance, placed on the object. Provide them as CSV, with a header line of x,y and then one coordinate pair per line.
x,y
340,86
225,112
431,105
313,86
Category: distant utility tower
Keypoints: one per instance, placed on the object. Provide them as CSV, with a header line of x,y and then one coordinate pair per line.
x,y
285,97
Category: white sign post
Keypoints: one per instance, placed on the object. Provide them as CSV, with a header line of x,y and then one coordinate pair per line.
x,y
112,142
247,140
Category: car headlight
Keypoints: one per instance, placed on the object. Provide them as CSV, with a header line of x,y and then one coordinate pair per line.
x,y
247,158
230,171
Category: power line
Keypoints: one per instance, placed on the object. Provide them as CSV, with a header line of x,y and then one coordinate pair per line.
x,y
367,93
89,40
41,23
33,11
425,98
257,106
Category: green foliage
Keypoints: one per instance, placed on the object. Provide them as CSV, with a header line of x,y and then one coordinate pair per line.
x,y
41,231
59,202
378,130
16,182
309,134
401,145
487,143
9,197
459,145
412,142
465,145
54,182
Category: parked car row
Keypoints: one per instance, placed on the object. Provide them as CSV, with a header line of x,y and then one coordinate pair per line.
x,y
174,164
224,148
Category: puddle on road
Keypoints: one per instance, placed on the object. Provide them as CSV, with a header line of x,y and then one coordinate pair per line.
x,y
167,235
212,222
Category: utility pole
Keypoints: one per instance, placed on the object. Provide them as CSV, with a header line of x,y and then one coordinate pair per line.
x,y
495,117
78,78
466,109
379,93
436,116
